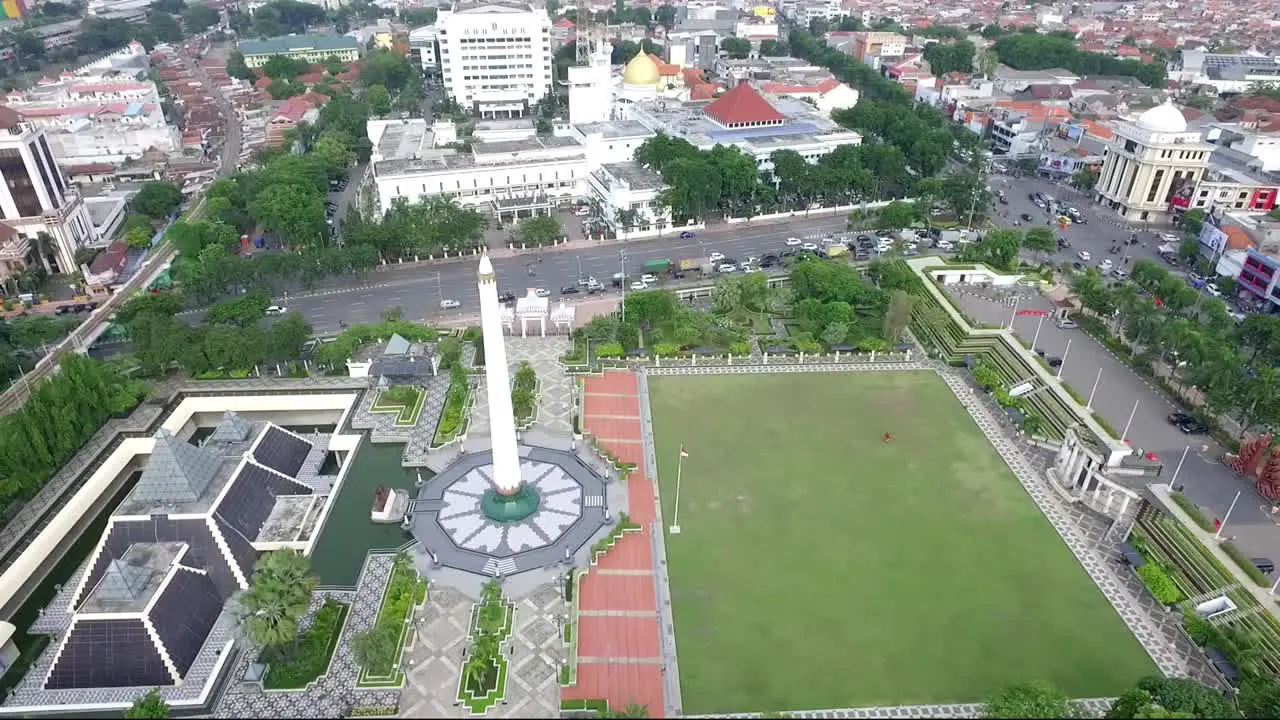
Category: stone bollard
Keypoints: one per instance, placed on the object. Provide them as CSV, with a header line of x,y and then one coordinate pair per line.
x,y
766,358
873,356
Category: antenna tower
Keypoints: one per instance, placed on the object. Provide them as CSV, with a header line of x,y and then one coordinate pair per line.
x,y
585,34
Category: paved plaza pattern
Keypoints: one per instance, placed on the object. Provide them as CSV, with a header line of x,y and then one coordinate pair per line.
x,y
433,665
554,412
619,656
335,694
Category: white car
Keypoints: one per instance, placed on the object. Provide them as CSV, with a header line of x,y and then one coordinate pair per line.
x,y
1084,255
582,212
1212,290
753,260
587,282
793,241
1119,274
639,285
647,278
809,246
449,304
716,257
727,267
277,310
542,292
1105,265
944,245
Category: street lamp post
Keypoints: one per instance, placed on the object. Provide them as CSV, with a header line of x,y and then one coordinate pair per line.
x,y
622,258
1014,316
579,267
1222,526
1089,405
1065,353
1036,339
1179,468
1133,412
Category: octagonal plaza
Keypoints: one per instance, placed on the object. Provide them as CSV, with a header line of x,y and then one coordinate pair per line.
x,y
448,519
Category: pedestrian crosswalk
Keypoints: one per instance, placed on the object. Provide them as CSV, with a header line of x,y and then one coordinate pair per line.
x,y
595,501
498,568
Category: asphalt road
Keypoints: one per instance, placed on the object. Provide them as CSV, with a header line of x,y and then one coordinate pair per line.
x,y
1207,482
418,289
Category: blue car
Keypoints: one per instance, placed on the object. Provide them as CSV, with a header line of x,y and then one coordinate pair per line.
x,y
688,235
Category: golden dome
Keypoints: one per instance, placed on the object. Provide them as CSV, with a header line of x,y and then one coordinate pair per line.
x,y
642,70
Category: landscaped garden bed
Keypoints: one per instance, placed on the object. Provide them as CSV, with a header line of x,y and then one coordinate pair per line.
x,y
294,666
390,631
933,519
457,402
524,394
483,680
606,543
572,590
406,401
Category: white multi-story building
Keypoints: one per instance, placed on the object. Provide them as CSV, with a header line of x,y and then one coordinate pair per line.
x,y
47,216
495,57
628,195
424,48
99,113
1149,161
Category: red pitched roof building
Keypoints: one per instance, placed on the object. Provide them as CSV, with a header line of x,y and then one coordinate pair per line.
x,y
743,107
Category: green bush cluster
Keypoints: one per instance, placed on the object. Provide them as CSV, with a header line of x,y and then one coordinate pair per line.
x,y
483,673
740,348
607,542
1193,510
609,350
1245,563
1161,586
297,667
455,404
403,592
522,392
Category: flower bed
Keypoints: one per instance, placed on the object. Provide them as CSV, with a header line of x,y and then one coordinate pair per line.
x,y
302,665
482,683
404,592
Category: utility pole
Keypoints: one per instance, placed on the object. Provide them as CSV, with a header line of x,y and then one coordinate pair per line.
x,y
622,257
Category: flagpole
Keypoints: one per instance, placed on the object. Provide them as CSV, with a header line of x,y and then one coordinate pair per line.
x,y
675,516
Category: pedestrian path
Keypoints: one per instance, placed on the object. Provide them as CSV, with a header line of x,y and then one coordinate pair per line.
x,y
619,657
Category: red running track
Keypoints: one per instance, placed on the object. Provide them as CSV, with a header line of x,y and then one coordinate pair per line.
x,y
619,659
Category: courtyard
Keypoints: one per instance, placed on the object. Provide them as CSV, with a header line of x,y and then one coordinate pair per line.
x,y
820,567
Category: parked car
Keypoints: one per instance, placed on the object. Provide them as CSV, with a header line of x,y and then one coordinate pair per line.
x,y
1177,418
638,285
569,290
792,241
1213,290
716,257
1084,255
542,292
1065,324
449,304
1193,427
809,246
277,310
688,235
944,245
1054,362
1119,274
727,267
648,278
1063,243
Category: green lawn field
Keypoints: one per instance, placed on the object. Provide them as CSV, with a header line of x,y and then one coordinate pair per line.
x,y
820,567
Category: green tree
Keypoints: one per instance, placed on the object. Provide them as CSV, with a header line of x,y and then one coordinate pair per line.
x,y
138,237
898,315
237,68
773,48
198,18
294,213
665,16
279,595
1029,700
540,230
1176,697
164,27
1039,240
150,705
736,48
157,199
388,69
378,646
1260,698
332,148
248,309
898,214
379,99
282,67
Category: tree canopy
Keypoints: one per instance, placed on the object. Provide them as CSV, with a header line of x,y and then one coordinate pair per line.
x,y
1029,700
157,199
150,705
1031,51
1157,696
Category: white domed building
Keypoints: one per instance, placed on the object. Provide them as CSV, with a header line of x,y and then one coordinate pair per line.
x,y
1149,160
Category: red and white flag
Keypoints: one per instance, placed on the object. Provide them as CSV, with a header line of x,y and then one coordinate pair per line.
x,y
683,453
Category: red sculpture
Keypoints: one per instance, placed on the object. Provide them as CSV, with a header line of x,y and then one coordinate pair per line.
x,y
1269,477
380,498
1251,451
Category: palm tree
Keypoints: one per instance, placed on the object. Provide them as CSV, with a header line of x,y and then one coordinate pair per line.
x,y
279,595
627,219
474,671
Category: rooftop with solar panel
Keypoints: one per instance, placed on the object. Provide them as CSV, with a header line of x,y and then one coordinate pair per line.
x,y
148,608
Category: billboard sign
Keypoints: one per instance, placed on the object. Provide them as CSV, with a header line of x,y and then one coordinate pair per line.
x,y
1212,239
1071,131
1057,163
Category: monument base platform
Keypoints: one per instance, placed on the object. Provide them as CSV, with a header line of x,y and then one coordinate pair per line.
x,y
510,508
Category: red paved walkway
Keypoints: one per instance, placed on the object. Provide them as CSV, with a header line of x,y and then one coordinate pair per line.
x,y
619,658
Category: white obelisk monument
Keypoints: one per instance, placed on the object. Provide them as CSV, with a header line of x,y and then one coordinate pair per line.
x,y
502,419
